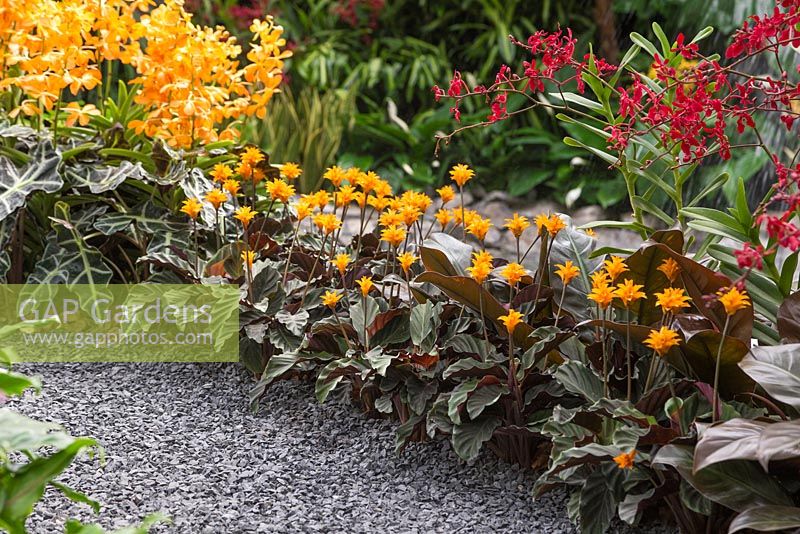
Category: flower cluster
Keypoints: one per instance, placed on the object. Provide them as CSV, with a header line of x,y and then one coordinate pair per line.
x,y
188,78
691,106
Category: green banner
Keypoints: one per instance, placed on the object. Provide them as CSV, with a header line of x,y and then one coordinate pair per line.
x,y
120,323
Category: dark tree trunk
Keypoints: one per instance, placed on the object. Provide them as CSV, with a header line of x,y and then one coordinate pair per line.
x,y
606,30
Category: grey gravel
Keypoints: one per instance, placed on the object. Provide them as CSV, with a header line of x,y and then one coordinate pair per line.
x,y
180,439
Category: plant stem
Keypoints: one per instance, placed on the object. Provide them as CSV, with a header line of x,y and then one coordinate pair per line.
x,y
344,332
560,304
483,320
715,399
196,250
291,249
628,352
313,268
366,334
463,221
55,120
603,339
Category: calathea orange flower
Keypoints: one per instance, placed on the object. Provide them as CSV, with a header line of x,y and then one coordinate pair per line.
x,y
602,295
221,172
341,261
248,256
244,215
554,225
626,459
567,271
335,175
366,285
327,222
672,300
479,227
406,260
628,292
670,269
192,207
446,193
331,299
291,170
481,266
662,340
461,174
517,224
511,320
216,197
280,191
615,266
513,273
232,187
394,235
443,217
733,300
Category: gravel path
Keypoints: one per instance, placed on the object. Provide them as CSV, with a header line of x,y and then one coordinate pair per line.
x,y
180,439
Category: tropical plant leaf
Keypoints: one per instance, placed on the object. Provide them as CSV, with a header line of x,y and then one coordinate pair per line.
x,y
737,484
26,484
444,254
643,269
736,439
67,258
777,370
766,518
467,291
579,379
599,497
38,175
700,350
484,397
469,437
362,315
789,318
277,366
576,246
99,178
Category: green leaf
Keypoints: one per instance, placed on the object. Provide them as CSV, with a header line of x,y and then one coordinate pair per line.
x,y
484,397
777,370
599,497
444,254
278,365
649,207
458,397
13,384
76,496
524,184
468,438
379,360
736,439
644,43
739,485
467,291
666,47
38,175
294,323
578,99
766,519
363,314
99,178
579,379
702,34
67,258
424,323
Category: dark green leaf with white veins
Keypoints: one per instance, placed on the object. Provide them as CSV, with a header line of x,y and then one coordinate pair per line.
x,y
38,175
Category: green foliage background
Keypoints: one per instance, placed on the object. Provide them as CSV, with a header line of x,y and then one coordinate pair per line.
x,y
368,88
